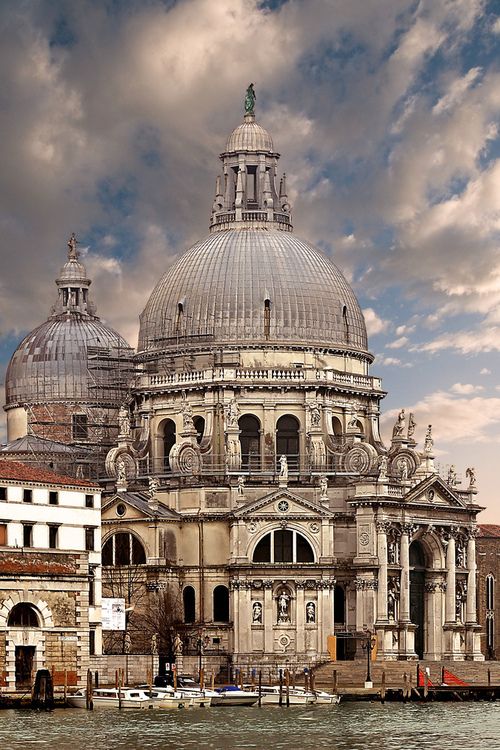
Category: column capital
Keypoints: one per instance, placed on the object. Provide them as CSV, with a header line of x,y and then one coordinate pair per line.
x,y
383,527
408,529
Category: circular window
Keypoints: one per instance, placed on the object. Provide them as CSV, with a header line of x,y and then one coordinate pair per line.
x,y
283,506
120,509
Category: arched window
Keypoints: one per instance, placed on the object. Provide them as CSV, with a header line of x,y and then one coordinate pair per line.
x,y
169,438
490,616
417,556
287,440
490,591
199,425
345,323
250,442
23,616
221,604
267,318
283,546
189,601
123,548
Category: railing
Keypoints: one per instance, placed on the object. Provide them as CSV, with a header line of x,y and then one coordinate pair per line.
x,y
229,217
229,374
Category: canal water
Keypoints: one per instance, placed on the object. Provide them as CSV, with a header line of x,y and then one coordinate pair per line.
x,y
349,726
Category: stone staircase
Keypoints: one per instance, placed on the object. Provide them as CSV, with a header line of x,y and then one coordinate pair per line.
x,y
352,674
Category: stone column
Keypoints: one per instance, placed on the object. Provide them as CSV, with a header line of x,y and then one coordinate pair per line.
x,y
300,615
404,602
471,615
269,617
450,600
382,529
326,623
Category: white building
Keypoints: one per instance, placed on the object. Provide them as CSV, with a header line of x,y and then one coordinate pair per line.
x,y
50,574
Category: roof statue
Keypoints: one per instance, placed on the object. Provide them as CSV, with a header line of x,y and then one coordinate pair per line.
x,y
250,98
72,243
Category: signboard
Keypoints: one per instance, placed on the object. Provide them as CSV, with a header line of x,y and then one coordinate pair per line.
x,y
68,638
113,614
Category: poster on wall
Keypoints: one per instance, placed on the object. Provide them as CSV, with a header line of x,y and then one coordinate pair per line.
x,y
113,614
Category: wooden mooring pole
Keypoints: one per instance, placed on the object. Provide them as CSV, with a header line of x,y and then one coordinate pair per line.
x,y
260,688
89,703
281,688
382,687
335,682
287,683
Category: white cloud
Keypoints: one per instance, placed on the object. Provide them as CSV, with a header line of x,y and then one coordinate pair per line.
x,y
466,342
466,389
405,330
398,343
374,324
485,371
391,362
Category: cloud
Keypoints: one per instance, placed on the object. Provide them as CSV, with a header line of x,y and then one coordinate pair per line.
x,y
391,362
374,324
485,371
465,342
398,343
466,389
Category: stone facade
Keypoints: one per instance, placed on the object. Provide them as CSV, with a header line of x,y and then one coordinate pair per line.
x,y
488,575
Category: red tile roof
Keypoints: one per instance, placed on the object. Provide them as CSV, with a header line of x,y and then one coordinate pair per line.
x,y
489,529
20,472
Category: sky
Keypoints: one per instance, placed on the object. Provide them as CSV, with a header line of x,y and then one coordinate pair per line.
x,y
386,113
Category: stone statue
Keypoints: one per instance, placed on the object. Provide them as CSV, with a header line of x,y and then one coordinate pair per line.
x,y
382,467
121,471
250,98
403,471
323,487
241,485
428,441
72,243
452,476
471,476
127,643
257,613
123,422
232,413
353,419
283,467
399,426
178,645
283,607
154,486
310,612
315,414
411,425
154,643
187,416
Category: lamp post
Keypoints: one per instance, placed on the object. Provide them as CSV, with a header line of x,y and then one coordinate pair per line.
x,y
368,645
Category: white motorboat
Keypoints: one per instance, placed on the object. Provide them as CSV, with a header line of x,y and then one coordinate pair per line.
x,y
322,697
270,695
112,698
233,696
189,696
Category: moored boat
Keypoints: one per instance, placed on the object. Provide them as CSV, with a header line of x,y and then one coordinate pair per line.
x,y
233,696
112,698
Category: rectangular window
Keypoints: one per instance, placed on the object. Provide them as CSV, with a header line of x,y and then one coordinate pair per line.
x,y
3,493
3,534
53,498
92,642
27,535
27,496
80,427
89,538
91,589
53,537
89,501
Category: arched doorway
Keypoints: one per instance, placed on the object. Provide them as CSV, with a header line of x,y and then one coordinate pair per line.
x,y
250,442
417,595
287,440
189,602
221,604
24,616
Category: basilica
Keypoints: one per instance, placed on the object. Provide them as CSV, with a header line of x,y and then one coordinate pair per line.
x,y
243,469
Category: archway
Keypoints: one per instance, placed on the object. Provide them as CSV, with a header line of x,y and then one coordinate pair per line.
x,y
417,594
287,440
24,615
169,439
221,604
250,442
189,601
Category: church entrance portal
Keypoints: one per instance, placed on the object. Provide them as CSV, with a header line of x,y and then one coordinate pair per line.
x,y
417,595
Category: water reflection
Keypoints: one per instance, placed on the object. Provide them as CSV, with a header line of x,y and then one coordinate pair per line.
x,y
350,726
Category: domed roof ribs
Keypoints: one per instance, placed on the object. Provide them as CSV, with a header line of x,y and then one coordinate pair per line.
x,y
250,198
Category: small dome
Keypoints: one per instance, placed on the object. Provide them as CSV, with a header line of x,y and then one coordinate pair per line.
x,y
220,289
73,270
249,136
52,362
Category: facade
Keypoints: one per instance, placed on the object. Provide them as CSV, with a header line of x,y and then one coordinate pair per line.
x,y
66,382
250,473
50,575
488,575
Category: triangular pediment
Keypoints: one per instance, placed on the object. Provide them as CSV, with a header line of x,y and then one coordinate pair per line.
x,y
282,503
434,491
134,506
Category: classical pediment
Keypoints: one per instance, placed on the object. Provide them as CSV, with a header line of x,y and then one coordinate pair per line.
x,y
433,491
283,503
132,506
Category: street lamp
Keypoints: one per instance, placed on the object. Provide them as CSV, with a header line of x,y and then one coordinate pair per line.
x,y
368,645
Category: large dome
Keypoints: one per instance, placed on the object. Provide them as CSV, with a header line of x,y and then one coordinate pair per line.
x,y
218,289
52,362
